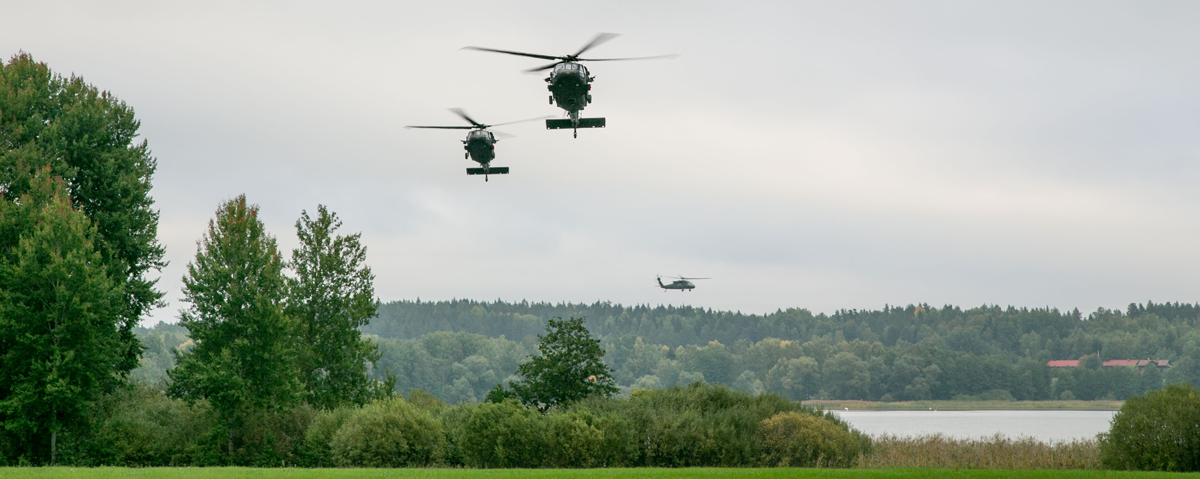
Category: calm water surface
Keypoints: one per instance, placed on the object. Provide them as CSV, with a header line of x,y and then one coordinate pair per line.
x,y
1042,425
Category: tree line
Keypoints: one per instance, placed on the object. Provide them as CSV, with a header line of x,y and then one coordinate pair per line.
x,y
897,353
265,335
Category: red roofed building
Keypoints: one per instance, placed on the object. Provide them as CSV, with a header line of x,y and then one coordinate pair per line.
x,y
1140,363
1113,363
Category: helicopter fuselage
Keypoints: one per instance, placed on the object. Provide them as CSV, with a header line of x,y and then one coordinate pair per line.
x,y
570,87
681,284
480,146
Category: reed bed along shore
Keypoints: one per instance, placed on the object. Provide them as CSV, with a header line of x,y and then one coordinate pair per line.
x,y
995,452
856,405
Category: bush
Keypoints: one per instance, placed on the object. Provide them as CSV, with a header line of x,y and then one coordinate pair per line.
x,y
695,426
573,440
141,426
792,439
389,433
491,435
272,438
1159,431
317,451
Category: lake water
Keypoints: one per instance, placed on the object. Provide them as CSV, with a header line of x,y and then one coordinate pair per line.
x,y
1047,426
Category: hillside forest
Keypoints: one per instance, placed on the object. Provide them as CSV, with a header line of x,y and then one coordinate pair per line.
x,y
459,350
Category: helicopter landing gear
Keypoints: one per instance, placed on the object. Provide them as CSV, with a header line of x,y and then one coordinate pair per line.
x,y
589,98
467,156
551,99
575,134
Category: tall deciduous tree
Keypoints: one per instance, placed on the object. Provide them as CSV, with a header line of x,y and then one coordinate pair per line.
x,y
60,336
331,297
88,138
570,367
244,360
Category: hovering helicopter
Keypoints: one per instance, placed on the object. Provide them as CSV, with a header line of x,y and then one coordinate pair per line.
x,y
570,83
480,143
681,283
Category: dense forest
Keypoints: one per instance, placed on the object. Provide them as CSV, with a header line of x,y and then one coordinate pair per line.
x,y
458,350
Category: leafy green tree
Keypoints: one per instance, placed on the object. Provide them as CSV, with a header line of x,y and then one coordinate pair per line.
x,y
1157,432
244,360
331,297
88,138
794,378
60,335
846,376
570,367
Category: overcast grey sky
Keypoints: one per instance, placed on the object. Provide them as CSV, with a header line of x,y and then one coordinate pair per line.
x,y
822,155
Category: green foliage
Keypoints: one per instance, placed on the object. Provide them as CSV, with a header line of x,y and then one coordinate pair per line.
x,y
573,440
912,353
700,425
61,342
1157,432
456,367
792,439
507,434
86,137
243,361
331,297
160,344
568,368
141,426
317,451
389,433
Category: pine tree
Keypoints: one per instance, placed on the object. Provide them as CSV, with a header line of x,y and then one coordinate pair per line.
x,y
60,335
244,359
331,297
570,367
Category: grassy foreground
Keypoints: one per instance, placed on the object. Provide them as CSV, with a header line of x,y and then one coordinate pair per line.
x,y
968,405
647,473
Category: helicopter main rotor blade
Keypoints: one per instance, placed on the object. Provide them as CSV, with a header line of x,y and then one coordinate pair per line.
x,y
523,121
599,38
523,54
542,68
463,114
444,127
502,134
656,57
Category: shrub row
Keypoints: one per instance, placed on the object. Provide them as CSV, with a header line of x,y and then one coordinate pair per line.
x,y
699,425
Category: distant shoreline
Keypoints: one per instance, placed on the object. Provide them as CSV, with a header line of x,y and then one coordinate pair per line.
x,y
854,405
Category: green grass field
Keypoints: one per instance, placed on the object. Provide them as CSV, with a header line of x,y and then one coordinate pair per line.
x,y
969,405
642,473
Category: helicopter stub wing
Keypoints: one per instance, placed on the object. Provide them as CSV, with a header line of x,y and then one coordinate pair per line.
x,y
495,170
565,124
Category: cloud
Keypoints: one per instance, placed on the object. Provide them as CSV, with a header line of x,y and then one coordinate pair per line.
x,y
820,155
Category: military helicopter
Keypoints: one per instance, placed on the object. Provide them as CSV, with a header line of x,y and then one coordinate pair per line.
x,y
480,143
570,83
681,283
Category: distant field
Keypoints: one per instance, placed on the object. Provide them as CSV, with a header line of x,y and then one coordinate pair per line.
x,y
969,405
647,473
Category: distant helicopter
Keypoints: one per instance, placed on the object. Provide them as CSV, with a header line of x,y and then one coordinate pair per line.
x,y
570,82
480,144
681,283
